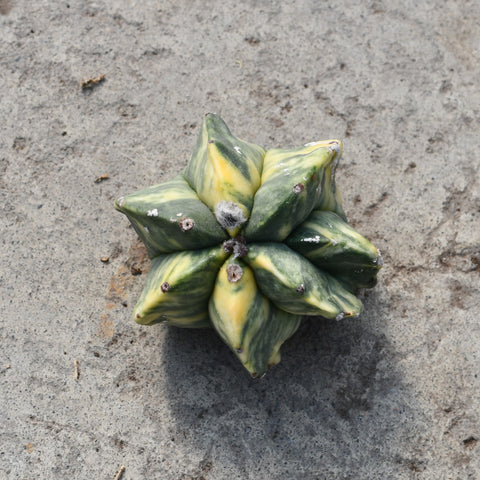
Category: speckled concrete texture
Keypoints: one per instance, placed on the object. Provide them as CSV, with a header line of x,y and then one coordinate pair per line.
x,y
394,394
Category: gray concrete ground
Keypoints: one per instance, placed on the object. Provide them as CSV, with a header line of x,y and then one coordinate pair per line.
x,y
392,395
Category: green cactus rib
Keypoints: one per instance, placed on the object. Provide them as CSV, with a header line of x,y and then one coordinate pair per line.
x,y
332,245
293,183
225,169
296,286
249,323
249,241
170,217
178,288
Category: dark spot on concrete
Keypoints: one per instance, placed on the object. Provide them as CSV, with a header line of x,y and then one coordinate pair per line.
x,y
373,207
5,6
286,107
19,143
350,127
470,441
415,466
135,269
253,41
446,86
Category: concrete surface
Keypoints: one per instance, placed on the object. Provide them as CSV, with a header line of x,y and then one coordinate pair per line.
x,y
393,395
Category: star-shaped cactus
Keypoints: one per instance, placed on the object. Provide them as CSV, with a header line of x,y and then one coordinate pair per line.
x,y
249,241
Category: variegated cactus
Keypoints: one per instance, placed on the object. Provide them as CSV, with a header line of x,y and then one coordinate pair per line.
x,y
248,241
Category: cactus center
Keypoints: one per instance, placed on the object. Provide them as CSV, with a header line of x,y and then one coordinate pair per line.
x,y
237,246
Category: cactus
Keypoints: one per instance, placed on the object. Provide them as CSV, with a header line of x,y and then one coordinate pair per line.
x,y
248,241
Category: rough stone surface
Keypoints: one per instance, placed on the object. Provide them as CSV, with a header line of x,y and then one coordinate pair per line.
x,y
392,395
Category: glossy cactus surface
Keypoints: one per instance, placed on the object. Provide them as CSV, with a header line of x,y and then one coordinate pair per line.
x,y
248,241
